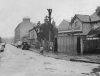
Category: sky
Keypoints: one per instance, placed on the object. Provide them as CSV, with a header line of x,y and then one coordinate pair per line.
x,y
12,11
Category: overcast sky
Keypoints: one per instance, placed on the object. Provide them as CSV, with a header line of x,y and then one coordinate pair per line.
x,y
12,11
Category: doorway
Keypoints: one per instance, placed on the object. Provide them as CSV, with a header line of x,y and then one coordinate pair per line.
x,y
78,46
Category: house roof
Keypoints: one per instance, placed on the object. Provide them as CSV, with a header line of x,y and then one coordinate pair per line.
x,y
83,18
95,17
86,18
63,26
24,22
94,31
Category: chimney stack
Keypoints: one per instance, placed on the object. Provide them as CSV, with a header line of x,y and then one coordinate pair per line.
x,y
26,19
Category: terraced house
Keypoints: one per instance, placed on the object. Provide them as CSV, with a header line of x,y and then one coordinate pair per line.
x,y
22,30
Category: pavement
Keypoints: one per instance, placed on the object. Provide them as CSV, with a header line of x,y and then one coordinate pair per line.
x,y
94,58
54,55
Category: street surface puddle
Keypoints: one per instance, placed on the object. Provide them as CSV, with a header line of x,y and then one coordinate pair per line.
x,y
96,71
85,73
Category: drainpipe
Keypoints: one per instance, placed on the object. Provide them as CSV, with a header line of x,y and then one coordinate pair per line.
x,y
81,45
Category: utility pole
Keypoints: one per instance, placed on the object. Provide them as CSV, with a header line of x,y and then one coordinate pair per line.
x,y
49,17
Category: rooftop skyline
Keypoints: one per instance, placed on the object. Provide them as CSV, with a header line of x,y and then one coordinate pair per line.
x,y
13,11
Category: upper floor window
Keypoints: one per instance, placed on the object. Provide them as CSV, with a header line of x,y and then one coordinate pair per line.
x,y
76,23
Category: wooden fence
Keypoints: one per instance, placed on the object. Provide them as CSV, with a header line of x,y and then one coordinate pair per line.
x,y
67,44
74,45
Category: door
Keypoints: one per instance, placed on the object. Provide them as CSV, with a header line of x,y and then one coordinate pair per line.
x,y
78,45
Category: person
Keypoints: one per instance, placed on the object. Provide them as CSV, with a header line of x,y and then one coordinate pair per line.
x,y
41,49
51,48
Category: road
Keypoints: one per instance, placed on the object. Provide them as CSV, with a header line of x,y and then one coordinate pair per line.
x,y
17,62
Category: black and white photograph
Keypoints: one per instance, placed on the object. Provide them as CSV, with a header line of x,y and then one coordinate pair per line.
x,y
49,37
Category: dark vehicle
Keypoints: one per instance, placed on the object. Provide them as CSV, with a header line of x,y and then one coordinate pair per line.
x,y
18,44
25,46
2,46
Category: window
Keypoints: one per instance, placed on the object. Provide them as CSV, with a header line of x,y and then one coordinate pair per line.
x,y
76,23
